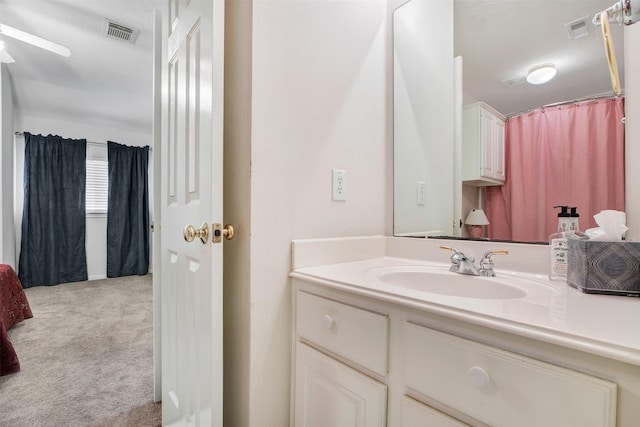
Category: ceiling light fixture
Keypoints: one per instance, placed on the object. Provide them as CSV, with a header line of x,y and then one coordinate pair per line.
x,y
34,40
541,74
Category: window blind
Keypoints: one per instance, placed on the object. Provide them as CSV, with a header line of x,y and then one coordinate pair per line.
x,y
97,186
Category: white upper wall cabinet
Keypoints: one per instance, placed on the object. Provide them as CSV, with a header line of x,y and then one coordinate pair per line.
x,y
483,145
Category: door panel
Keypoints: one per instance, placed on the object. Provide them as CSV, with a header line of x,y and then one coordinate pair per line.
x,y
172,163
193,53
486,145
500,166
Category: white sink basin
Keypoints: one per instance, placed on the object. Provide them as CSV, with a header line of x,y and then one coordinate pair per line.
x,y
439,280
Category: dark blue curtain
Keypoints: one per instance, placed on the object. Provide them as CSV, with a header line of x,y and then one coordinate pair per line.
x,y
128,211
53,219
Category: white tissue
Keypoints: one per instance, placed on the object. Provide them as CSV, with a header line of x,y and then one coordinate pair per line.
x,y
611,226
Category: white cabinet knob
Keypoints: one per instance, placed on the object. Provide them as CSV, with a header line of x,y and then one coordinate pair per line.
x,y
478,377
328,321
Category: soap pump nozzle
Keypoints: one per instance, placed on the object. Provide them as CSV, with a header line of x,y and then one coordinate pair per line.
x,y
564,218
573,226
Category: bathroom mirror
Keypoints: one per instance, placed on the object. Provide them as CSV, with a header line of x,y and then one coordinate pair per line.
x,y
499,41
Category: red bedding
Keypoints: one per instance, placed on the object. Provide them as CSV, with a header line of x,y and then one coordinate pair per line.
x,y
14,308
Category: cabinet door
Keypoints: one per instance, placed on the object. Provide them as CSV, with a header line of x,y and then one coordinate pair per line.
x,y
499,151
329,393
416,414
487,154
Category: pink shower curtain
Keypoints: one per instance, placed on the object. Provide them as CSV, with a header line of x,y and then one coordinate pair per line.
x,y
567,155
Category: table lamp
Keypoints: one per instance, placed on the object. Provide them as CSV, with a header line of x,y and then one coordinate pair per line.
x,y
475,220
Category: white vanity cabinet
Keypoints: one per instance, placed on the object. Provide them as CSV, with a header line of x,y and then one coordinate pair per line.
x,y
367,360
483,145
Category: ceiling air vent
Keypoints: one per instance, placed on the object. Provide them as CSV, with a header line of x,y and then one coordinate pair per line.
x,y
514,82
113,30
578,28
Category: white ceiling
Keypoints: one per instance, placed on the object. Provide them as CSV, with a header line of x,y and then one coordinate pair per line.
x,y
502,39
103,81
110,81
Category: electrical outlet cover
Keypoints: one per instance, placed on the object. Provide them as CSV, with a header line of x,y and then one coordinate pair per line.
x,y
339,185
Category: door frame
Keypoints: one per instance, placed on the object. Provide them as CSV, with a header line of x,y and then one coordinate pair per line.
x,y
159,58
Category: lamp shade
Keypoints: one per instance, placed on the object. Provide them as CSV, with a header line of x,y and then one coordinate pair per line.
x,y
476,217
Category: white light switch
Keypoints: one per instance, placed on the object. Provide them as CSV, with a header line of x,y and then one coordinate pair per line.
x,y
421,193
339,185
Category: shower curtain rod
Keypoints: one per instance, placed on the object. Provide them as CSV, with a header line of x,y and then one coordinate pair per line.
x,y
573,101
20,134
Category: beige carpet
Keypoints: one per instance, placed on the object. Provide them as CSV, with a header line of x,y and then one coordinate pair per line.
x,y
86,357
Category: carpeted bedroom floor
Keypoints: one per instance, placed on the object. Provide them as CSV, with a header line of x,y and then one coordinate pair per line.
x,y
86,357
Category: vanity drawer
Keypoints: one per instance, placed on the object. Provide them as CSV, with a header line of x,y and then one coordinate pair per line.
x,y
356,334
502,388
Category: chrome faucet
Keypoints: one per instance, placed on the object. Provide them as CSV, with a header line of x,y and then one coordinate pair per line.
x,y
462,264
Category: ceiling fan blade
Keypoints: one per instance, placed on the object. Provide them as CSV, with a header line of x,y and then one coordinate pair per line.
x,y
34,40
6,58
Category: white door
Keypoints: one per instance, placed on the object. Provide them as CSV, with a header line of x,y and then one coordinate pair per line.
x,y
191,181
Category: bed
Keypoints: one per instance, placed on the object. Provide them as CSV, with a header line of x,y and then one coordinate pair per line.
x,y
14,308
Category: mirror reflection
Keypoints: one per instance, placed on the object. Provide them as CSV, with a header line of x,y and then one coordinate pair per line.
x,y
494,149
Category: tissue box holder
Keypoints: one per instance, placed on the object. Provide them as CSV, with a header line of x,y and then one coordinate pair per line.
x,y
611,268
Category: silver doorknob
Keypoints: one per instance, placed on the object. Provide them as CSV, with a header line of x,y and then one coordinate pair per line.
x,y
190,233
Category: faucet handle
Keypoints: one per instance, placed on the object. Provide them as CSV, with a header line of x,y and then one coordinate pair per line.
x,y
488,254
455,258
449,248
458,259
486,263
456,254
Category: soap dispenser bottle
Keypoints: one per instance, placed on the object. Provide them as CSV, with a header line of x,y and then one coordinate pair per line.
x,y
558,245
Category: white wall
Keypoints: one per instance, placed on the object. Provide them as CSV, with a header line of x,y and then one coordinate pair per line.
x,y
7,230
316,101
96,233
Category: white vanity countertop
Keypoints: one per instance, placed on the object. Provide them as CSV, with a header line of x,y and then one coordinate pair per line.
x,y
605,325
